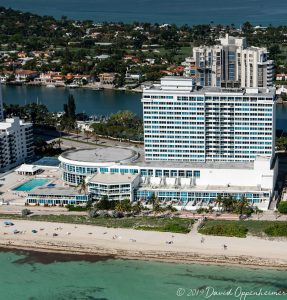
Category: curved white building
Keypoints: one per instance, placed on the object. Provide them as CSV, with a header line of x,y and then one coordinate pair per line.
x,y
128,176
198,144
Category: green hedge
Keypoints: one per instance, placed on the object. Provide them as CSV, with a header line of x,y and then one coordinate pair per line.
x,y
277,230
225,230
282,208
71,207
175,228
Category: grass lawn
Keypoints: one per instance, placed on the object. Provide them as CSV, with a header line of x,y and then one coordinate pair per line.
x,y
256,228
174,225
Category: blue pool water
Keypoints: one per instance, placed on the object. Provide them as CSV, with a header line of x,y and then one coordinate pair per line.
x,y
31,184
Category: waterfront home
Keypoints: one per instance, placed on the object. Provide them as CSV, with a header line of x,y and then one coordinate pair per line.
x,y
22,54
281,77
5,75
51,78
102,57
107,78
25,75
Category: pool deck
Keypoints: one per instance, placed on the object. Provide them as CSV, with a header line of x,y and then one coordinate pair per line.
x,y
31,184
10,181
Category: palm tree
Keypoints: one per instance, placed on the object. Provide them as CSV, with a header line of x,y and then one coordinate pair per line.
x,y
242,204
95,136
137,208
88,134
218,201
154,200
228,203
59,142
258,212
83,187
77,131
120,207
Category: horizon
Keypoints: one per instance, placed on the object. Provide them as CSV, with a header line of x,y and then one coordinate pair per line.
x,y
224,12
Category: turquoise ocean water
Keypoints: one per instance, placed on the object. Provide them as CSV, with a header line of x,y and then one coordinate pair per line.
x,y
22,279
162,11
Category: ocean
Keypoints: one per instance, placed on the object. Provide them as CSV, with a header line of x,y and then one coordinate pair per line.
x,y
179,12
30,276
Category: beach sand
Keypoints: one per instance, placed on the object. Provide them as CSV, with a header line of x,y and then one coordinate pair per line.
x,y
150,245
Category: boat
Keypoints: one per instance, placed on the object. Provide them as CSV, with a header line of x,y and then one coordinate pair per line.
x,y
50,86
73,86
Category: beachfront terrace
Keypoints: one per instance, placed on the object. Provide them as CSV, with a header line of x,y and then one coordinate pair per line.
x,y
56,196
115,186
11,181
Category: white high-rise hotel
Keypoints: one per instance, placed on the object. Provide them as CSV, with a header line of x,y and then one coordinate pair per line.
x,y
16,141
185,123
199,143
230,63
209,133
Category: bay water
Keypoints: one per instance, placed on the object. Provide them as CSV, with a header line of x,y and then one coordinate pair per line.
x,y
92,102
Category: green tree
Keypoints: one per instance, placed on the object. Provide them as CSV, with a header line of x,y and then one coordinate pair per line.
x,y
228,203
123,206
281,143
241,205
282,207
219,201
59,143
88,134
68,121
83,187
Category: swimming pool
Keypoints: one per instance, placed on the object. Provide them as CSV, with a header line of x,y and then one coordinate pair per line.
x,y
31,184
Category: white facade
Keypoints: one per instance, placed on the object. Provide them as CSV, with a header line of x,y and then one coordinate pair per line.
x,y
231,63
16,141
115,186
185,184
199,143
182,123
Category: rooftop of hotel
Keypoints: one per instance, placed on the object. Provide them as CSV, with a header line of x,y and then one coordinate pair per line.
x,y
141,162
135,157
113,178
50,191
101,155
180,84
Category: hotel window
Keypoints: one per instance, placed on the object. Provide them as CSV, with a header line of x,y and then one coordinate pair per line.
x,y
166,173
181,173
188,173
173,173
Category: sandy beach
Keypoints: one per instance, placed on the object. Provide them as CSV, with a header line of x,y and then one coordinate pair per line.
x,y
150,245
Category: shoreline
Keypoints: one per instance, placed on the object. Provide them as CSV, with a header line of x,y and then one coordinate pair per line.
x,y
87,87
61,254
100,243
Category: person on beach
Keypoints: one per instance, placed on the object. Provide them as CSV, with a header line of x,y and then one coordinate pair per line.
x,y
202,240
224,247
